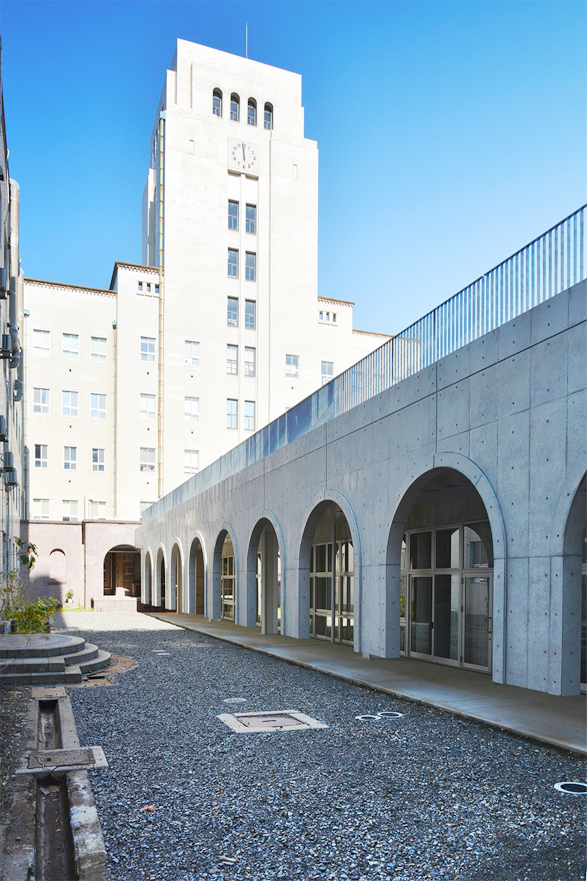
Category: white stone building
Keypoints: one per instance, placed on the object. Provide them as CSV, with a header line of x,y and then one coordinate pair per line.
x,y
133,389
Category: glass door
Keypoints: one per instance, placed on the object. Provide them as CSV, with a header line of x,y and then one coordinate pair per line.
x,y
332,592
477,622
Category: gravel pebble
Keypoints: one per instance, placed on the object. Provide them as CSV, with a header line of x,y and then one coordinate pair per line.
x,y
427,796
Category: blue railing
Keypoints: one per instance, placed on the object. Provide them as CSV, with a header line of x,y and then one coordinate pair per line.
x,y
550,264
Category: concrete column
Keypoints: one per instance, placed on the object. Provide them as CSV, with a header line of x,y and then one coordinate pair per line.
x,y
269,550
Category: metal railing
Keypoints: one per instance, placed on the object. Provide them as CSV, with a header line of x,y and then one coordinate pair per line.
x,y
550,264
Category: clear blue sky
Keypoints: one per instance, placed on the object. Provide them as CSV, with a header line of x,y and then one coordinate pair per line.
x,y
450,133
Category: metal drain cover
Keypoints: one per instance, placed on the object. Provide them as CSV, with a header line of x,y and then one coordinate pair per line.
x,y
282,720
41,761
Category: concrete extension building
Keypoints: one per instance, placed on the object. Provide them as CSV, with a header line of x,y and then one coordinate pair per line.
x,y
133,388
429,502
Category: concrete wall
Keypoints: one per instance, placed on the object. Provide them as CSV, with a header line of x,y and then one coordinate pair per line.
x,y
508,413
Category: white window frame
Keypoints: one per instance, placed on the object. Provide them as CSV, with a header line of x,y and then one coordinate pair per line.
x,y
70,458
326,375
41,401
191,409
232,360
72,406
148,348
97,510
96,347
147,460
40,509
97,405
42,343
292,366
250,361
250,266
230,321
70,346
69,510
231,414
251,223
233,218
146,406
191,461
251,316
249,416
98,459
192,353
41,456
232,264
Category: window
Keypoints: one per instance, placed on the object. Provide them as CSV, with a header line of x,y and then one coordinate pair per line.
x,y
98,349
231,413
232,359
250,314
232,263
217,102
232,215
156,288
69,403
234,107
232,314
140,285
250,263
147,406
192,353
97,459
191,409
147,348
40,455
70,346
70,458
252,112
191,461
69,508
97,406
41,401
327,370
268,116
147,459
42,343
249,361
97,510
251,223
148,288
292,363
40,509
249,415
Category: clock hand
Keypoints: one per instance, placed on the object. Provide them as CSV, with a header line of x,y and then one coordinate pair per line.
x,y
243,151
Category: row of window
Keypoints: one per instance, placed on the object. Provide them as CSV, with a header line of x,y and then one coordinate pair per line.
x,y
69,403
235,109
69,345
250,264
232,414
69,457
250,313
250,217
327,316
147,460
69,510
147,287
232,360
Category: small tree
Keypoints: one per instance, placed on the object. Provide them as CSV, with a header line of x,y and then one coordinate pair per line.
x,y
27,616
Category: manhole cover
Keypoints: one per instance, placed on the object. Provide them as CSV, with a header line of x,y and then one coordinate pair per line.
x,y
572,787
282,720
41,761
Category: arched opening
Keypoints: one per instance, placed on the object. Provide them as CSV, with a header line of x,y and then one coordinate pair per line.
x,y
57,583
234,107
252,112
159,598
264,577
122,572
197,578
442,540
268,116
148,591
327,553
217,102
575,594
224,578
175,580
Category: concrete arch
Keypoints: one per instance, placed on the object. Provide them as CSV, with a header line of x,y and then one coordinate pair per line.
x,y
569,599
174,598
214,600
194,605
160,575
147,582
407,494
267,517
317,508
565,504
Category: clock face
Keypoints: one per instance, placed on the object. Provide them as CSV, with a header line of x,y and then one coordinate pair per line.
x,y
242,155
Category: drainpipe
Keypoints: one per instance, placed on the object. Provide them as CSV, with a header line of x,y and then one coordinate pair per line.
x,y
161,305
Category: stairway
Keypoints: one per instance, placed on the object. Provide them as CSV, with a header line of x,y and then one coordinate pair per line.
x,y
31,659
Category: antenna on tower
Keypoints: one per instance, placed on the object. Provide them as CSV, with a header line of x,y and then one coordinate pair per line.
x,y
246,39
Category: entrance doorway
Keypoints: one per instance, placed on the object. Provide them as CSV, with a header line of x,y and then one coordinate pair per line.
x,y
122,571
446,595
332,579
227,580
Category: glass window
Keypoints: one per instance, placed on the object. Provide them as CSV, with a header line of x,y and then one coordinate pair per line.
x,y
447,548
292,365
97,459
97,406
40,509
70,346
232,215
41,401
250,317
70,458
69,403
249,361
268,116
251,225
40,455
250,264
421,550
98,348
217,102
327,370
140,285
97,510
192,353
232,359
249,415
191,461
69,508
42,343
232,314
231,413
252,112
334,317
147,406
191,409
234,107
232,263
147,459
147,348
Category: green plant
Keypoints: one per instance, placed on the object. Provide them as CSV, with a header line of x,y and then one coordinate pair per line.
x,y
69,594
28,617
33,617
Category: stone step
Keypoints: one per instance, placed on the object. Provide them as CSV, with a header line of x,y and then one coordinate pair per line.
x,y
96,663
69,674
32,665
44,645
88,653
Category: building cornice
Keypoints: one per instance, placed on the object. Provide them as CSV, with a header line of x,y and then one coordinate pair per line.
x,y
385,336
338,302
119,264
98,292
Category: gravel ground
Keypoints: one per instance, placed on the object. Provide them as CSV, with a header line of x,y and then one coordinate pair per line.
x,y
427,796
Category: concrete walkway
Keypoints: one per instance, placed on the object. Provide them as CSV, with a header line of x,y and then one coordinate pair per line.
x,y
559,721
